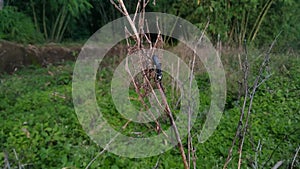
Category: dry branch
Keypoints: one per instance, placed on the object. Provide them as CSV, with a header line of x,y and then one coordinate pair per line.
x,y
246,109
102,151
139,37
294,158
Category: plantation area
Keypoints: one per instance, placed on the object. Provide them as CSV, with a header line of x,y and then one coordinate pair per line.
x,y
248,55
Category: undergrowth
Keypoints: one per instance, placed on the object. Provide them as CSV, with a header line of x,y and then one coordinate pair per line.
x,y
39,127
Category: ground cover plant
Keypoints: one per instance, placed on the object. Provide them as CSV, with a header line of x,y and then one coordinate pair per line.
x,y
39,128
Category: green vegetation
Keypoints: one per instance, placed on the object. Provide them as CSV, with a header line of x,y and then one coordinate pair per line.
x,y
230,21
39,128
256,21
38,124
17,26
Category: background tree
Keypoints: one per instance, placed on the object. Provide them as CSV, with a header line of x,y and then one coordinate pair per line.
x,y
1,4
230,21
55,18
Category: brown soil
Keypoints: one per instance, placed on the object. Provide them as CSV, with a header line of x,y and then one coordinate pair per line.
x,y
14,56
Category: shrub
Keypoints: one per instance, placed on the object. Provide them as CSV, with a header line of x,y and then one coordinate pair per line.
x,y
16,26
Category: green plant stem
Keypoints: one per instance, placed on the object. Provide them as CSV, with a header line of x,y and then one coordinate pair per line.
x,y
34,16
60,35
53,31
62,21
44,20
259,20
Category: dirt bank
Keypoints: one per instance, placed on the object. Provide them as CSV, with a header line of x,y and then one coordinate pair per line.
x,y
14,56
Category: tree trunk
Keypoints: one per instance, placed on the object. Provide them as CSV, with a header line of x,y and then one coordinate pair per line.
x,y
1,4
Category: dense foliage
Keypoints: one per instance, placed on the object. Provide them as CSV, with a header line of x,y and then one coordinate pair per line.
x,y
230,21
236,20
17,26
39,128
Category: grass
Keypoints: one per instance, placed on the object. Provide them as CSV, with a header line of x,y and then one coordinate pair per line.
x,y
39,127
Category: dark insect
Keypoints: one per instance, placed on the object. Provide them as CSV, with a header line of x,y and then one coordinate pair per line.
x,y
157,67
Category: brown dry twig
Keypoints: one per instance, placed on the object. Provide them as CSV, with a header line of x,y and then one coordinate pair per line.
x,y
246,108
139,37
294,158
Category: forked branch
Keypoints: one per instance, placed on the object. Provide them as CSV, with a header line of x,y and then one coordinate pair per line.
x,y
139,37
246,108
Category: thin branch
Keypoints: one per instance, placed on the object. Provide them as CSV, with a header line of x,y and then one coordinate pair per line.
x,y
106,146
190,144
255,87
258,81
264,80
295,156
126,124
172,121
158,44
101,152
276,148
6,160
148,38
158,39
133,27
136,10
146,3
277,165
194,154
190,114
17,158
138,39
140,96
240,123
117,7
157,163
257,150
172,30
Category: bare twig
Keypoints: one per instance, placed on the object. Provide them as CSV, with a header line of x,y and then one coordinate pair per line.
x,y
122,8
148,38
140,96
242,128
106,146
172,30
102,151
295,156
277,165
136,10
158,43
6,161
140,36
157,163
126,124
172,121
257,151
17,158
258,81
194,154
240,123
117,7
191,103
276,148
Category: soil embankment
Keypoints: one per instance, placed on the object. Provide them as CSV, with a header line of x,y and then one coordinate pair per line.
x,y
14,56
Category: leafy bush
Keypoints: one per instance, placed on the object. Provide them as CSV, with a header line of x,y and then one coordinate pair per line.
x,y
16,26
